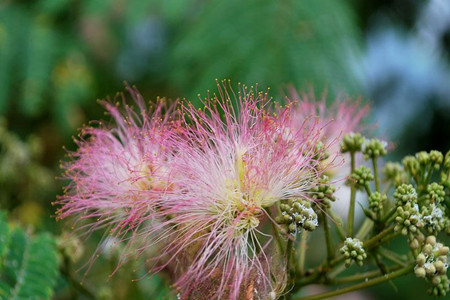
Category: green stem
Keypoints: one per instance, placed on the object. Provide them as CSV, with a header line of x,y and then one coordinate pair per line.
x,y
338,223
328,239
392,256
362,285
374,241
375,174
362,276
389,214
379,263
428,177
351,211
364,229
302,255
289,248
275,230
367,188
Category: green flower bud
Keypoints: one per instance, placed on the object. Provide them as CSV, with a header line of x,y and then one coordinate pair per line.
x,y
435,193
414,244
374,148
421,259
420,272
405,193
441,288
430,269
440,266
408,219
297,214
433,266
432,217
324,192
411,165
423,158
353,251
447,160
443,251
436,158
351,142
376,201
361,176
431,239
436,280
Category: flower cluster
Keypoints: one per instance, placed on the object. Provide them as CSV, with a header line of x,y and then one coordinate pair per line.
x,y
216,196
198,186
353,251
432,264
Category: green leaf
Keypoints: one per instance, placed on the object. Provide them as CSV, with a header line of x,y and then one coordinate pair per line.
x,y
30,264
299,42
4,237
38,61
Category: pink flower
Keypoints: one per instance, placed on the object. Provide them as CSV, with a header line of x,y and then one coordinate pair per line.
x,y
233,165
198,189
343,116
120,170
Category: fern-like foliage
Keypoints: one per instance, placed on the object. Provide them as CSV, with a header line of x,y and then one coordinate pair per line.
x,y
269,42
28,264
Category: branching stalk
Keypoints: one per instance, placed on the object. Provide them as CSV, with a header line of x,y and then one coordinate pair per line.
x,y
338,223
302,255
363,285
351,211
328,239
375,174
362,276
275,230
374,241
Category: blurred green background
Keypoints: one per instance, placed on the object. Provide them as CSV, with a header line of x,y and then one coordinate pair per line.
x,y
58,56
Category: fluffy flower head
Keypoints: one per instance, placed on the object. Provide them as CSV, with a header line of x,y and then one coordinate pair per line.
x,y
233,165
118,168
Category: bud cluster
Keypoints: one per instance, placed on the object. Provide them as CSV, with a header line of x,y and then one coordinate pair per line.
x,y
408,219
353,251
432,264
435,159
433,218
447,160
423,163
361,177
352,142
435,193
324,191
404,194
376,201
374,148
297,214
411,165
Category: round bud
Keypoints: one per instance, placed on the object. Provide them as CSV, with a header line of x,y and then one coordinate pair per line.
x,y
420,272
431,240
420,259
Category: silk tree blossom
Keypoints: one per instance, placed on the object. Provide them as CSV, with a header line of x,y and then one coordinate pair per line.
x,y
233,164
120,169
341,117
